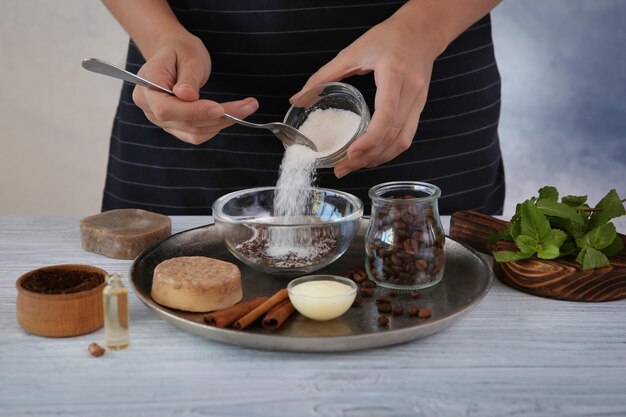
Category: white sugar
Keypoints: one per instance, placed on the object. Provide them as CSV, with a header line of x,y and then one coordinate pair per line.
x,y
330,129
297,174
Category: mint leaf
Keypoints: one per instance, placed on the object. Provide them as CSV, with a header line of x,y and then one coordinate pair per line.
x,y
614,248
568,248
526,244
548,252
547,228
598,238
548,193
516,228
591,258
573,229
574,200
509,256
556,238
533,223
555,209
609,207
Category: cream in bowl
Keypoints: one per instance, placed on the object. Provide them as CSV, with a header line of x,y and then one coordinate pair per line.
x,y
322,297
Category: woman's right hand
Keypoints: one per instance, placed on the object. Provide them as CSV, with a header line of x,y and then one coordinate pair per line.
x,y
183,64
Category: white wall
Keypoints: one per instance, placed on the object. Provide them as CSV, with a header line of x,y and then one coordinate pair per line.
x,y
55,117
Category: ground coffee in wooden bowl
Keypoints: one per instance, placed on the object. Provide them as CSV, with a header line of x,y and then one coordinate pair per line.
x,y
61,300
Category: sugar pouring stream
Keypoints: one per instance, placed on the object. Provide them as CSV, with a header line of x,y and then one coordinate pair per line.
x,y
287,134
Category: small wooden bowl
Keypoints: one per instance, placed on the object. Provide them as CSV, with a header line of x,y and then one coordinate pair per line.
x,y
60,315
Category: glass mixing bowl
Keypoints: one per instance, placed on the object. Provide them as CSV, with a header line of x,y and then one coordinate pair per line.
x,y
326,96
287,246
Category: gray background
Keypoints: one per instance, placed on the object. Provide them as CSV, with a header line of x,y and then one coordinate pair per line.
x,y
563,64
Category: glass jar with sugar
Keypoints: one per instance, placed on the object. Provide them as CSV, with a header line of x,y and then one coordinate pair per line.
x,y
332,115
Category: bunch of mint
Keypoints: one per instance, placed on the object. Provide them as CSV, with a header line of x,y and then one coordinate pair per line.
x,y
549,228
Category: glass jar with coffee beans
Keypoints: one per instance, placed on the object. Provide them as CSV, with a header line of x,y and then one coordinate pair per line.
x,y
404,240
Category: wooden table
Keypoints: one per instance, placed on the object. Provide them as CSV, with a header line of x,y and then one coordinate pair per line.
x,y
514,354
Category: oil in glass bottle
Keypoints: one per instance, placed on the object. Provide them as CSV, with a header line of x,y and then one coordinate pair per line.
x,y
116,334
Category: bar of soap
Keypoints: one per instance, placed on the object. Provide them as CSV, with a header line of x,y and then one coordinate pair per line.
x,y
196,283
123,233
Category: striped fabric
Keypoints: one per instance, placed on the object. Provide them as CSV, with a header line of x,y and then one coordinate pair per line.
x,y
267,49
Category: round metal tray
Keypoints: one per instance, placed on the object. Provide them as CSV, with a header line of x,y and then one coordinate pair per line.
x,y
467,279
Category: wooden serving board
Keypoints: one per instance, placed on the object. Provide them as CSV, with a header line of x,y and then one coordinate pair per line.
x,y
562,279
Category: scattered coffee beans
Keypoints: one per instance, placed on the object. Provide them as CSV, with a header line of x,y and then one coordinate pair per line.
x,y
96,350
359,277
424,313
383,299
398,310
366,292
384,308
368,284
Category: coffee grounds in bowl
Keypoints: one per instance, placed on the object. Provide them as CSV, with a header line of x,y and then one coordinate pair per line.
x,y
256,250
59,281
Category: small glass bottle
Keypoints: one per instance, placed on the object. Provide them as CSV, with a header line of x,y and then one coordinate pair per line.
x,y
404,240
116,336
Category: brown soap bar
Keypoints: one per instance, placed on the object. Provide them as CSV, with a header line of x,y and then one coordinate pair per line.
x,y
123,233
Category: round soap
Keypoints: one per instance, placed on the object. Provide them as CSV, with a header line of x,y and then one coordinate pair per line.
x,y
196,283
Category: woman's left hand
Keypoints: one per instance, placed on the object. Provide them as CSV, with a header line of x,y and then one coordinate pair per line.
x,y
401,55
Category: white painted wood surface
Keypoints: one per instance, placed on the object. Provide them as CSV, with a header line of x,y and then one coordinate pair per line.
x,y
514,354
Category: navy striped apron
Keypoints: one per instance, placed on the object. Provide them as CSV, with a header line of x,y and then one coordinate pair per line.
x,y
267,49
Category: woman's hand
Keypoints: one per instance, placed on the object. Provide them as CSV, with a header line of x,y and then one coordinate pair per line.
x,y
183,64
402,61
400,51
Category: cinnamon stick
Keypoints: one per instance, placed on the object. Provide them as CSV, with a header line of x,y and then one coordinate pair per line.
x,y
277,315
229,315
252,316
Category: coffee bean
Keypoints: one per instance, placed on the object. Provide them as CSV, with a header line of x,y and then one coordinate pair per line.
x,y
398,310
383,320
368,284
366,292
404,276
412,311
424,313
391,293
415,294
410,246
408,218
384,308
383,299
404,239
359,277
420,264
